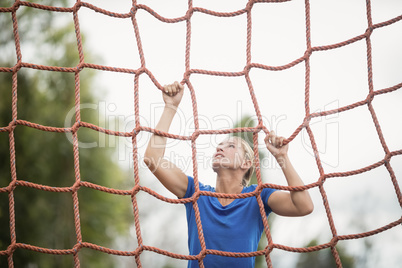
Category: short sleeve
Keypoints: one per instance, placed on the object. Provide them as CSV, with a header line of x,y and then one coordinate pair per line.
x,y
265,194
190,187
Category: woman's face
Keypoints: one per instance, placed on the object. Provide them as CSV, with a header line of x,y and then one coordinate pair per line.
x,y
229,154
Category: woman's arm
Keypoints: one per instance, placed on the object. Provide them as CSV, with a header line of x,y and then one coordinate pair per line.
x,y
295,203
167,173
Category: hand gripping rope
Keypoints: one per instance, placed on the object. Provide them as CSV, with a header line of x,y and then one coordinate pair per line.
x,y
138,128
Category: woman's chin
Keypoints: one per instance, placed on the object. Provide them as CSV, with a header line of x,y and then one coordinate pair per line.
x,y
217,165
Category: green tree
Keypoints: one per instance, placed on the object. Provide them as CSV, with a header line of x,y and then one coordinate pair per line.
x,y
324,258
44,218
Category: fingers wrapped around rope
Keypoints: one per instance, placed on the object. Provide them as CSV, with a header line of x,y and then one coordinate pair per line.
x,y
173,89
273,140
276,144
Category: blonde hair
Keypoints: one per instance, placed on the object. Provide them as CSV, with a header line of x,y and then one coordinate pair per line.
x,y
249,155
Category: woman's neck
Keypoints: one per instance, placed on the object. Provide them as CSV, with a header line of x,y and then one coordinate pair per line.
x,y
228,183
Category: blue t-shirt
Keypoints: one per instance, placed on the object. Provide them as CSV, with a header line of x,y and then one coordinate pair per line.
x,y
236,227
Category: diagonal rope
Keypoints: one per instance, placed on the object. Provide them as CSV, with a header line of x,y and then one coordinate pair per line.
x,y
143,70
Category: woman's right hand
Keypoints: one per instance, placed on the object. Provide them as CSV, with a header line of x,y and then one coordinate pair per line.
x,y
173,93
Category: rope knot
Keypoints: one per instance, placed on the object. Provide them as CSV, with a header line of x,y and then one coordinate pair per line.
x,y
247,68
195,196
142,70
308,53
249,5
195,135
368,32
370,97
135,190
16,5
322,179
202,254
268,249
334,241
306,121
258,190
387,158
77,247
80,67
11,248
189,13
133,10
139,250
75,127
76,186
136,131
77,6
12,125
186,77
17,66
11,187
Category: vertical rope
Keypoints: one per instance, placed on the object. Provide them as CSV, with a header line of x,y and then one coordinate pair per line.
x,y
76,126
370,97
270,245
13,167
312,139
134,137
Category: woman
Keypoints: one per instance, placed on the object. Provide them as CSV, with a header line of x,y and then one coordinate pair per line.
x,y
233,225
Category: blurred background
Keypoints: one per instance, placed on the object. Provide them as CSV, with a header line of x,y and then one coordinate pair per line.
x,y
346,141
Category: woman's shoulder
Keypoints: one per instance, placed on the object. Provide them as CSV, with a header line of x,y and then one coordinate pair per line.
x,y
249,188
203,187
252,187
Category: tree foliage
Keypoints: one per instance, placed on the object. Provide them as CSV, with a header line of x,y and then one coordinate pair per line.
x,y
324,258
43,218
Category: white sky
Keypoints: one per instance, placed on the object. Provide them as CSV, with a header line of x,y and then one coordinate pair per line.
x,y
346,141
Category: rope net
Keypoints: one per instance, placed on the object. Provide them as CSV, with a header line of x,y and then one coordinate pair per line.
x,y
142,70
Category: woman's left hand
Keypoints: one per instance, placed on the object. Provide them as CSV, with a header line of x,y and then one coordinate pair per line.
x,y
275,145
